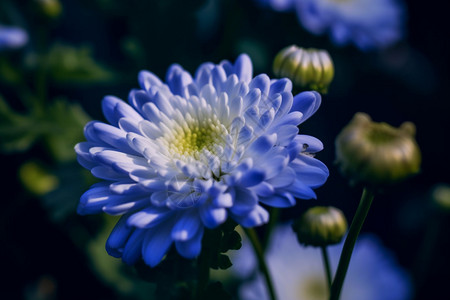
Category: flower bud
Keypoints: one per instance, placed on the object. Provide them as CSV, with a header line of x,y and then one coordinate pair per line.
x,y
441,197
320,226
49,8
377,153
307,68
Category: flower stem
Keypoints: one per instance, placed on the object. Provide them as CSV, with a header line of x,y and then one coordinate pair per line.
x,y
349,244
274,216
251,234
326,263
203,271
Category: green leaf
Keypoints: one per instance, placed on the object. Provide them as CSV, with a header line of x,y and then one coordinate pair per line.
x,y
70,65
224,262
67,120
17,132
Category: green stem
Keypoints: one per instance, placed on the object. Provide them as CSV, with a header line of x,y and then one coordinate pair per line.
x,y
251,234
203,271
349,244
274,216
326,263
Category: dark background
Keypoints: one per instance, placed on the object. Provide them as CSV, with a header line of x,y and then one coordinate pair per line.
x,y
408,82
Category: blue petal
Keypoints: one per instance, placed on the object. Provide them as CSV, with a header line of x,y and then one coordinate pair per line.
x,y
107,173
114,109
261,145
280,200
148,79
191,248
307,103
156,244
252,98
300,190
310,143
83,156
186,227
286,134
212,217
113,136
133,248
251,178
284,178
244,201
243,68
177,79
95,198
127,187
263,189
306,159
256,217
203,74
261,82
149,217
279,86
223,200
118,237
218,78
125,206
286,104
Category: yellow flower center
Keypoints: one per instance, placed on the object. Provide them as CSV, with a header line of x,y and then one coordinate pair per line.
x,y
196,136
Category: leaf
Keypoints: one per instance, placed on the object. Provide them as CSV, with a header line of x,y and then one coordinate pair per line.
x,y
67,120
70,65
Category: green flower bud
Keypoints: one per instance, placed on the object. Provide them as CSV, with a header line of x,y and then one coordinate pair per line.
x,y
441,197
320,226
377,153
307,68
49,8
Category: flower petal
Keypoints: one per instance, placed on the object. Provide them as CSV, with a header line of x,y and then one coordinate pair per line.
x,y
307,103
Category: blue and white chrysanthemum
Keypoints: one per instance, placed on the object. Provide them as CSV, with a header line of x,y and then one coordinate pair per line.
x,y
12,37
191,152
366,23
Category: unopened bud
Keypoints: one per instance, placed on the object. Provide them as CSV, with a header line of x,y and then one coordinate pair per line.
x,y
320,226
307,68
441,196
49,8
377,153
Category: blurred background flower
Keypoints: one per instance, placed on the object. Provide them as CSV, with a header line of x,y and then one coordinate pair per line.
x,y
298,273
367,24
12,37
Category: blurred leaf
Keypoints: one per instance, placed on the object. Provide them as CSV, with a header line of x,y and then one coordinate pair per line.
x,y
62,201
71,65
68,120
17,132
36,178
8,72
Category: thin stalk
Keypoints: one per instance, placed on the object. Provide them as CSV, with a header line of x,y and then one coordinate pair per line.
x,y
326,263
203,271
349,244
274,216
253,237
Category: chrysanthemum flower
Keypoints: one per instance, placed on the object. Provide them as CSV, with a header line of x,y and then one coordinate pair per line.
x,y
12,37
367,24
189,153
